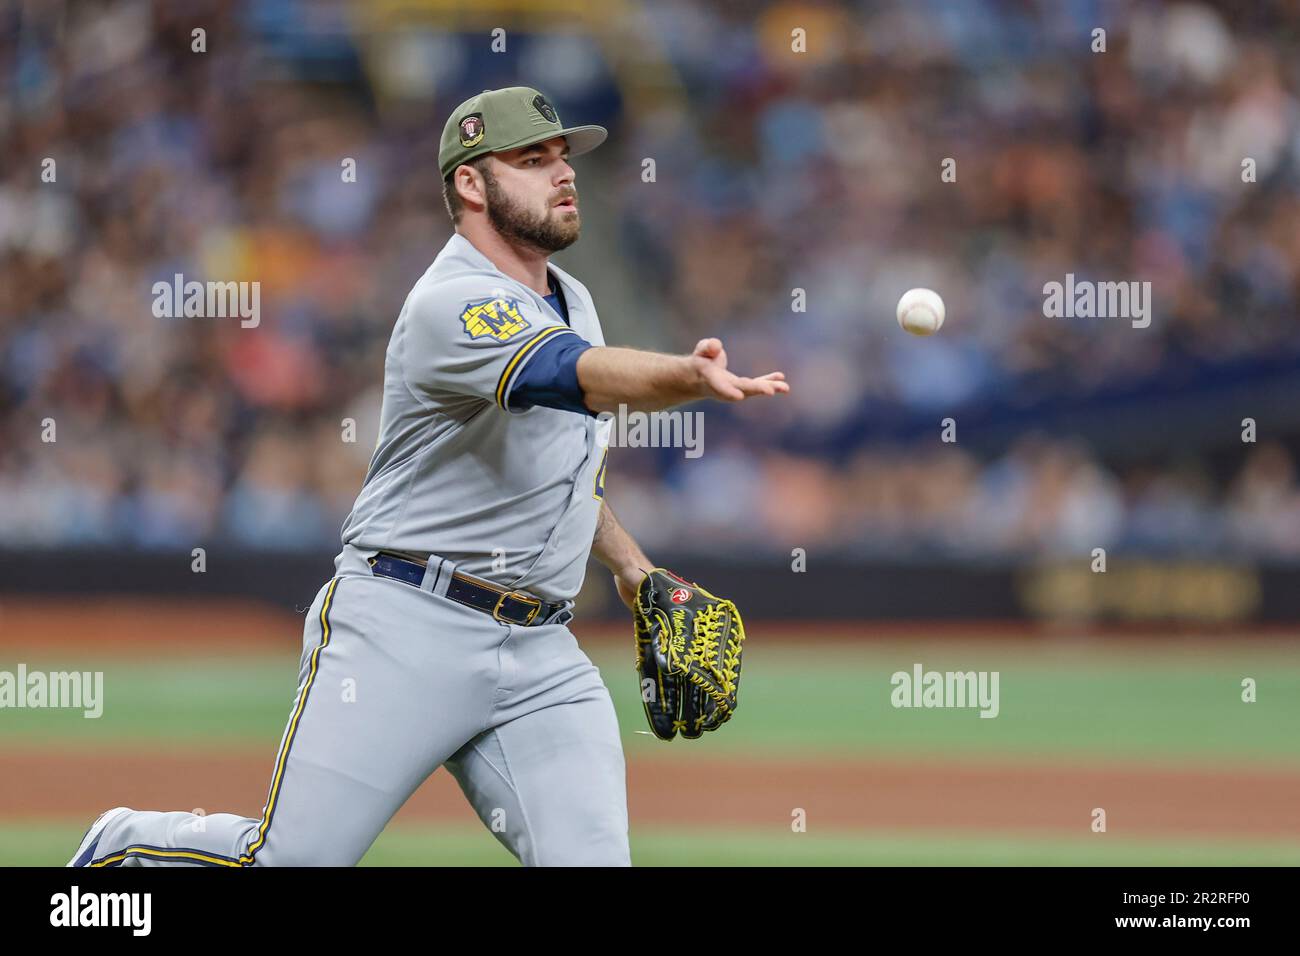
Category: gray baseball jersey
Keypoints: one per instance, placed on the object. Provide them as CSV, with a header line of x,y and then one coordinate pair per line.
x,y
509,496
396,679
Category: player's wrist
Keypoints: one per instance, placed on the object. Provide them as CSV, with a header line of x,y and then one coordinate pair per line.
x,y
628,580
698,383
634,570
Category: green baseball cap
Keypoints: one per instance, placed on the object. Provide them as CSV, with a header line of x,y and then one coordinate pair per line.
x,y
497,120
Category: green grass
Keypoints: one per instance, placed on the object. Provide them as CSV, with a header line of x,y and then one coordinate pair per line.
x,y
421,846
50,844
1107,708
245,700
1090,704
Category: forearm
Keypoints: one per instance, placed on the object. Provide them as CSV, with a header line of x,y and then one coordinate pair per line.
x,y
641,381
613,547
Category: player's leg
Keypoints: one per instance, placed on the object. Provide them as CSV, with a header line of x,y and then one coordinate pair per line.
x,y
548,779
387,690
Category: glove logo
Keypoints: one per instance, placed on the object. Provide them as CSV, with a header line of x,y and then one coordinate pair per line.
x,y
499,319
688,645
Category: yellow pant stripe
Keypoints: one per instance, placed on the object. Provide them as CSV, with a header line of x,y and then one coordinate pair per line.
x,y
247,858
281,760
164,855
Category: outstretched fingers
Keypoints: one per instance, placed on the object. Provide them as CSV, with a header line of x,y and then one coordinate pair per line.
x,y
726,385
723,384
773,383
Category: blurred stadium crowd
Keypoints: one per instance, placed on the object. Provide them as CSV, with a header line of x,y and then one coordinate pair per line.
x,y
775,171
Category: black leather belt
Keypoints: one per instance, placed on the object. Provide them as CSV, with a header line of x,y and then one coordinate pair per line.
x,y
510,607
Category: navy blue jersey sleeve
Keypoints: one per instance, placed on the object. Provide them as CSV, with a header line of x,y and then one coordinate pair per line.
x,y
551,377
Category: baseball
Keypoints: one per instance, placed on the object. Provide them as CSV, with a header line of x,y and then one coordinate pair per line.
x,y
920,311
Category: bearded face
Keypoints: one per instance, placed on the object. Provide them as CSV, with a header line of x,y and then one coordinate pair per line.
x,y
548,225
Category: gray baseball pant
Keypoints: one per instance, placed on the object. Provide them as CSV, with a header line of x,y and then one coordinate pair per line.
x,y
395,681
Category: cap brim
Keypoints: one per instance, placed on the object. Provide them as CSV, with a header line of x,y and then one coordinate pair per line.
x,y
581,139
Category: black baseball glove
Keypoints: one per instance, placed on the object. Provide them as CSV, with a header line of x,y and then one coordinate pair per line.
x,y
688,645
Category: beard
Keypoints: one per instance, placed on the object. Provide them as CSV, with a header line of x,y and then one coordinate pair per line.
x,y
522,225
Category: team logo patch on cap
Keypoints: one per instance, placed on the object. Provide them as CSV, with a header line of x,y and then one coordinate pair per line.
x,y
471,130
495,318
545,108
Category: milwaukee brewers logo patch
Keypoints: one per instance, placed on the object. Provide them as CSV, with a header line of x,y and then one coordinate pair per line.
x,y
545,108
496,318
471,130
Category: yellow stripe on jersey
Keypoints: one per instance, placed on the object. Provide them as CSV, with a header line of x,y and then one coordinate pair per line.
x,y
598,490
518,357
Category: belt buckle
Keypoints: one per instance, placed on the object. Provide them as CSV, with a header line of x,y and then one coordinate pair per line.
x,y
518,596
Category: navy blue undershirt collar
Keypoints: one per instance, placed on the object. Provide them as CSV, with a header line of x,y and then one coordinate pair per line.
x,y
556,298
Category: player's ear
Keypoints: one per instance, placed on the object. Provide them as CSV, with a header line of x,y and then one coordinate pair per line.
x,y
470,186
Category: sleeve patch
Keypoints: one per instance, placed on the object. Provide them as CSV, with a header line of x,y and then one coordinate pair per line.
x,y
499,319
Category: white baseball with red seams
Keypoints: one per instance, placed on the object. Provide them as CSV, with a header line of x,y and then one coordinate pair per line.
x,y
920,311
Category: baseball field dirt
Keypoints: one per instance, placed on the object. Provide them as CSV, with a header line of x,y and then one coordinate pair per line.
x,y
1153,731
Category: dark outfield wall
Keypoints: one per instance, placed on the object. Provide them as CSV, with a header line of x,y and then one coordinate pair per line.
x,y
830,588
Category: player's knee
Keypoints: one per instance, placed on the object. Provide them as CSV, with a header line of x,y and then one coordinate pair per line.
x,y
285,853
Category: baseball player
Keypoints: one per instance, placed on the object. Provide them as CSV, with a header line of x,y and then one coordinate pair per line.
x,y
442,640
